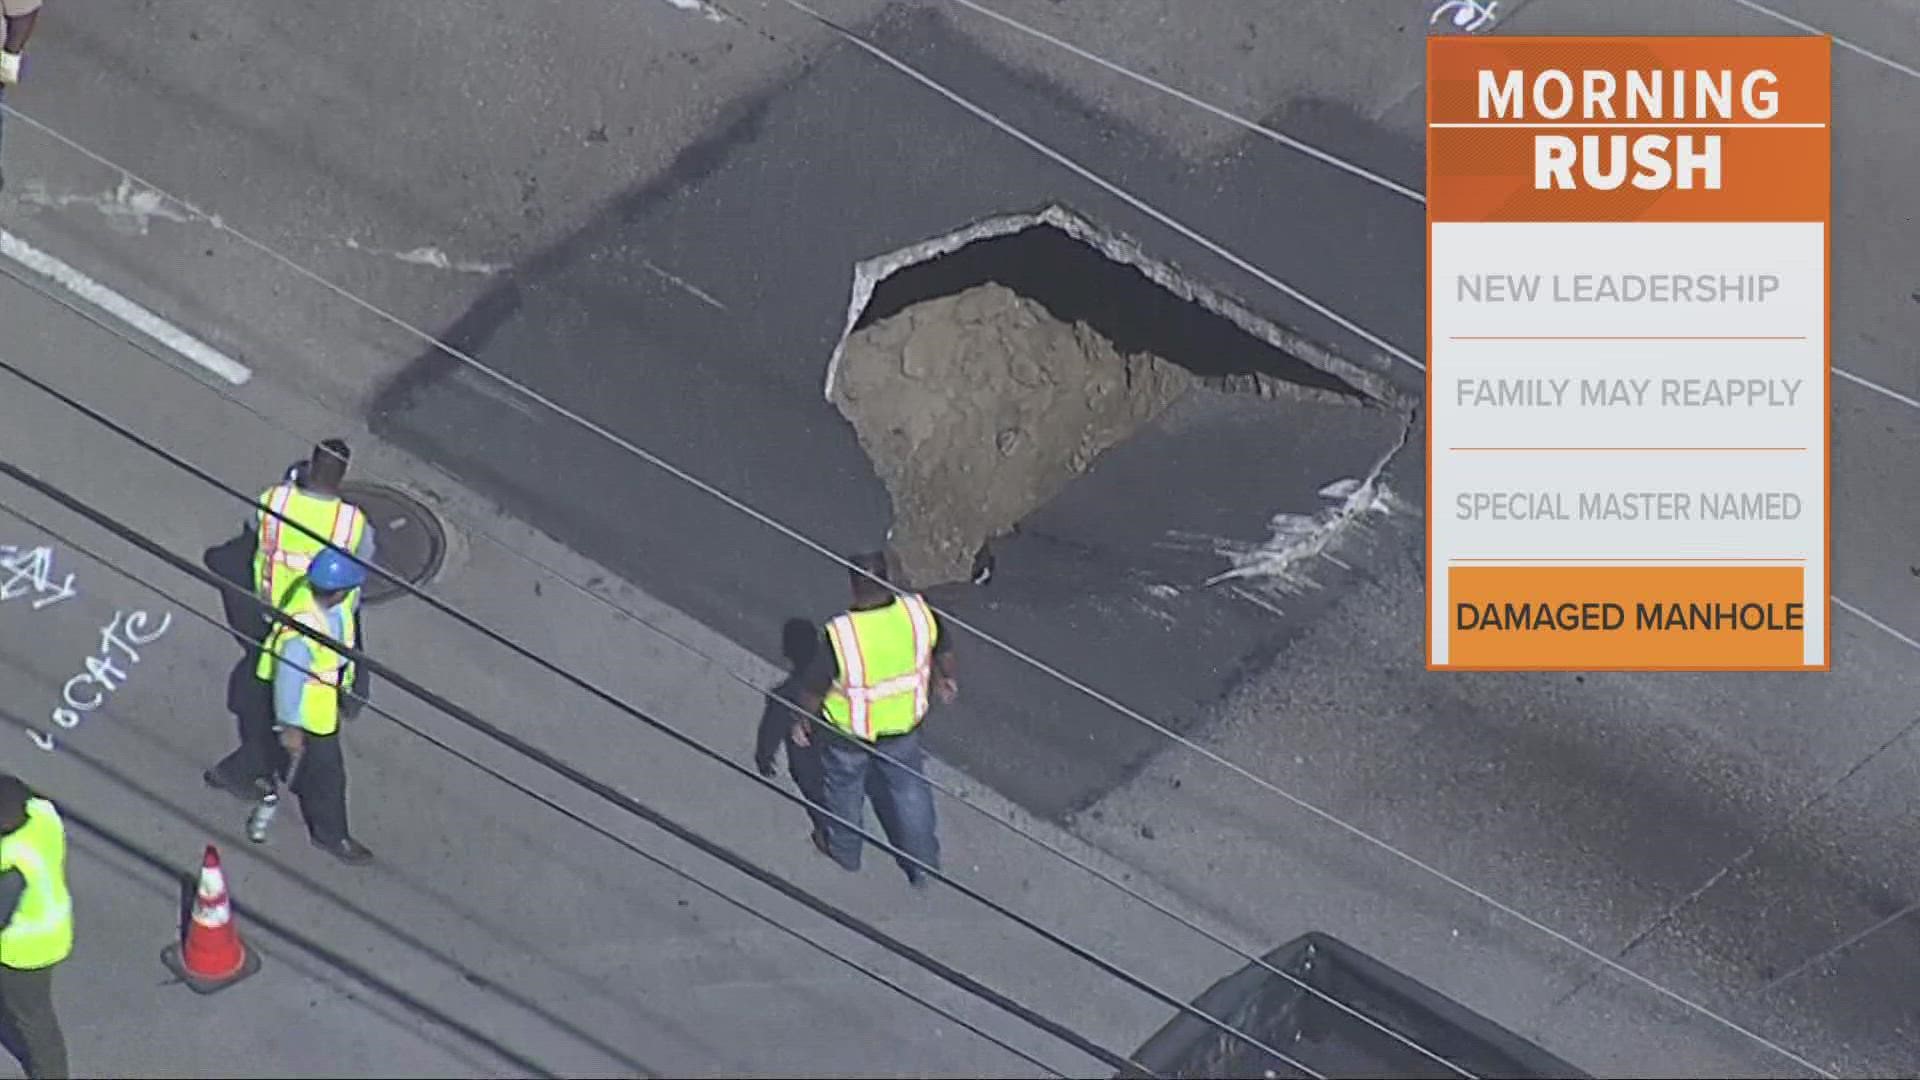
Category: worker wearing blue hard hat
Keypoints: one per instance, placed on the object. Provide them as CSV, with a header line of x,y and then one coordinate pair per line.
x,y
309,680
336,571
293,523
308,677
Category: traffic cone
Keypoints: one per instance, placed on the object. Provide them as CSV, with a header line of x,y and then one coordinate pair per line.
x,y
212,957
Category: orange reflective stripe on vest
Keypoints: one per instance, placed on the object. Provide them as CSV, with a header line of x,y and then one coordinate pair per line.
x,y
339,534
863,689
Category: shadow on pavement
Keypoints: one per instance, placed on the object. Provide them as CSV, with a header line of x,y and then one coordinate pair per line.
x,y
800,640
292,936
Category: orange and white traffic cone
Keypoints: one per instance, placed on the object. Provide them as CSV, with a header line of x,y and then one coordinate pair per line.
x,y
212,956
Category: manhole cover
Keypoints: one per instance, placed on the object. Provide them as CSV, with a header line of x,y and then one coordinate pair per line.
x,y
410,541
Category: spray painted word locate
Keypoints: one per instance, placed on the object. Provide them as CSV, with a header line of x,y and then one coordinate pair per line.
x,y
102,673
31,570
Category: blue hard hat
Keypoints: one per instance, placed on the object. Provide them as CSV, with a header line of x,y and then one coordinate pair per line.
x,y
333,570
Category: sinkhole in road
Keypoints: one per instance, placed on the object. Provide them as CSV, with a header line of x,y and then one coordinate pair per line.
x,y
986,370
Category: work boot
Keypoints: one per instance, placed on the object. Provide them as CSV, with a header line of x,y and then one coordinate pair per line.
x,y
347,850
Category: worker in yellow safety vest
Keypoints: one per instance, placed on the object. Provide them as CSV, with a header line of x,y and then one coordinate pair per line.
x,y
308,496
307,502
307,677
881,662
37,931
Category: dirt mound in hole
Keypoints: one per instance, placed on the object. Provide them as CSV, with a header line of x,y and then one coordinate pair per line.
x,y
977,408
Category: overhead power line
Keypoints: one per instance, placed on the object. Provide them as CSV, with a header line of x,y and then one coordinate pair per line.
x,y
633,806
540,797
1080,952
221,224
767,694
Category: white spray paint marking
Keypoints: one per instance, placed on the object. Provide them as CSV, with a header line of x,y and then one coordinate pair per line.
x,y
1470,16
100,676
31,570
682,283
701,8
1258,601
132,209
487,388
1296,539
430,256
128,208
155,327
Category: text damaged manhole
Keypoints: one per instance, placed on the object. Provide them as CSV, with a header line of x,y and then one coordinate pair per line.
x,y
409,540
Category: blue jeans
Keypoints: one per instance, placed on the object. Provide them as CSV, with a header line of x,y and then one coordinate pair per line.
x,y
902,799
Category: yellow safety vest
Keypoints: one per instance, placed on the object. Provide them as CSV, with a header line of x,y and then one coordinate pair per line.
x,y
285,552
41,933
329,671
886,666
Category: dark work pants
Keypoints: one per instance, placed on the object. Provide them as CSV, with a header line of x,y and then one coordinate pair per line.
x,y
902,798
321,783
260,756
26,1007
322,787
809,774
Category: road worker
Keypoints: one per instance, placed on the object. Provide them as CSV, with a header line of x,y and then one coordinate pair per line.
x,y
308,678
881,661
275,710
17,20
36,924
310,497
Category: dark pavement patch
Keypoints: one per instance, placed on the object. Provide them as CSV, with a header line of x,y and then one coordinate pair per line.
x,y
769,215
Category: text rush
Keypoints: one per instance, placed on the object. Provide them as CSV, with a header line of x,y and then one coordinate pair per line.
x,y
1650,162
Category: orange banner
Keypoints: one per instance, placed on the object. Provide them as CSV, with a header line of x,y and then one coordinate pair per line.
x,y
1628,129
1625,617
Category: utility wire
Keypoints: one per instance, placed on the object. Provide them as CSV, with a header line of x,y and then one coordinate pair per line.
x,y
633,806
220,224
791,706
546,800
605,696
599,788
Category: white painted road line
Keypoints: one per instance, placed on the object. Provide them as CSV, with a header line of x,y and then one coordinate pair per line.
x,y
186,345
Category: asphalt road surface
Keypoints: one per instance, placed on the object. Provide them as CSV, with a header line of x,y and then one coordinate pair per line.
x,y
647,213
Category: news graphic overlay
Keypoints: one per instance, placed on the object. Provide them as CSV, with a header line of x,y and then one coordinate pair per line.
x,y
1627,346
